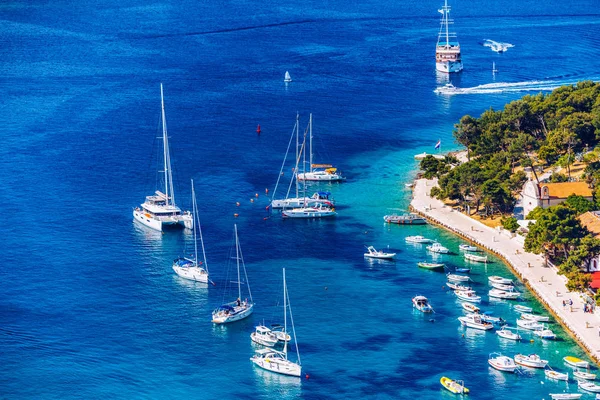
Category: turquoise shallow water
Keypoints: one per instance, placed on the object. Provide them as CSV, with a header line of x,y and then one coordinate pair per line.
x,y
89,306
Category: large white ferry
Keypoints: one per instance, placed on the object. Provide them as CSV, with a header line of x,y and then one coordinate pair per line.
x,y
447,52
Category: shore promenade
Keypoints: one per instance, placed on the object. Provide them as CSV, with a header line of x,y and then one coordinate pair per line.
x,y
544,281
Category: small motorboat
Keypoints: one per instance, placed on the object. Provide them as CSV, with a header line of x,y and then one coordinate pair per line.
x,y
264,336
468,295
470,307
502,363
530,325
417,239
457,387
499,279
279,332
487,317
422,304
521,309
576,362
409,185
507,334
468,247
502,286
456,286
531,361
438,248
475,257
545,334
458,278
428,265
559,376
462,270
502,294
475,321
373,253
534,317
565,396
405,219
579,374
588,386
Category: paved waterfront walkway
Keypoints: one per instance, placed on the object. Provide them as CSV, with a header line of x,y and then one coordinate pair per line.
x,y
542,280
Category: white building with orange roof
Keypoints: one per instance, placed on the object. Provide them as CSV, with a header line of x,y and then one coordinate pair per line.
x,y
550,194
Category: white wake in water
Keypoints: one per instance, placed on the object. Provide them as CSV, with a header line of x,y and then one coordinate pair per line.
x,y
507,87
498,47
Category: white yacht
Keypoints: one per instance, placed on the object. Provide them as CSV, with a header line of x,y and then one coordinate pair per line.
x,y
319,211
502,363
475,321
319,172
417,239
160,210
447,53
438,248
264,336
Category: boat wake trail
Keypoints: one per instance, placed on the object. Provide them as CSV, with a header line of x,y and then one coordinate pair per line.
x,y
508,87
498,47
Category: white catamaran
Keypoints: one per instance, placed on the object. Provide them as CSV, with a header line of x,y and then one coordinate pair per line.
x,y
238,309
277,361
190,268
447,51
319,172
159,210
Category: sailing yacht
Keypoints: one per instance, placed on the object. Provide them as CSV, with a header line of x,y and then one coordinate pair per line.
x,y
277,361
447,52
159,210
319,172
238,309
189,268
287,77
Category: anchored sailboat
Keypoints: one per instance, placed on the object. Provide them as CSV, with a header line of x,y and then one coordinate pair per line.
x,y
287,77
159,210
447,53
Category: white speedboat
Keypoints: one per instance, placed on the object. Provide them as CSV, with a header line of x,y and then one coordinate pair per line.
x,y
455,286
159,210
531,361
438,248
373,253
475,321
417,239
579,374
458,278
406,219
502,294
508,334
535,317
190,268
468,247
545,334
502,363
499,279
522,309
447,51
576,362
588,386
565,396
468,295
476,258
320,211
264,336
501,286
432,266
277,361
559,376
487,317
318,172
470,307
530,325
235,310
422,304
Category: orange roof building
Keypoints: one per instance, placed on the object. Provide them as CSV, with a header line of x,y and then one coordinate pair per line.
x,y
550,194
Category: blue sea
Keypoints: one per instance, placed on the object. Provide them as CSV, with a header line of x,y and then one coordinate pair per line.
x,y
89,305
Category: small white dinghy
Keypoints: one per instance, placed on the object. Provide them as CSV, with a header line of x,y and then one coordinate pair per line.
x,y
264,336
531,361
468,295
476,258
559,376
501,286
421,303
534,317
456,286
502,363
499,279
565,396
579,374
530,325
373,253
588,386
468,247
470,307
545,333
458,278
521,309
438,248
503,294
417,239
507,334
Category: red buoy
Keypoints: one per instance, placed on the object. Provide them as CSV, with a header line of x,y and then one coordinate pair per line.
x,y
258,129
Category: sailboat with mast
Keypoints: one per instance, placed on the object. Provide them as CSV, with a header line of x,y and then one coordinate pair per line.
x,y
277,361
160,210
190,268
319,172
447,53
238,309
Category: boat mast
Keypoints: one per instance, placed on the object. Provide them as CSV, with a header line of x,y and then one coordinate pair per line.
x,y
194,216
446,11
284,316
311,155
297,134
237,257
167,159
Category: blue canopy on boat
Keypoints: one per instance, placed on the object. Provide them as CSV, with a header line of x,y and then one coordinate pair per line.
x,y
226,307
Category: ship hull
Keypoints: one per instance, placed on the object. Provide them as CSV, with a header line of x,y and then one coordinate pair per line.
x,y
448,67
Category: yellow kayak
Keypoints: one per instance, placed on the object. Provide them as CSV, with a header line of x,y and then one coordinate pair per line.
x,y
454,386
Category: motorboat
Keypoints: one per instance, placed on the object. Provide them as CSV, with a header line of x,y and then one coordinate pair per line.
x,y
468,295
279,332
502,363
559,376
576,362
531,361
417,239
501,286
405,219
530,325
438,248
457,387
462,270
458,278
545,333
522,309
455,286
502,294
373,253
422,304
264,336
579,374
499,279
476,258
475,321
487,317
565,396
470,307
535,317
508,334
588,386
428,265
320,211
409,185
468,247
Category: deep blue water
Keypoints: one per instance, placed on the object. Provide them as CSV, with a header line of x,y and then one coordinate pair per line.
x,y
89,306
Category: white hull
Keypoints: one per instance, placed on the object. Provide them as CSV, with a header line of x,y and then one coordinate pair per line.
x,y
319,176
159,223
264,340
499,279
545,334
588,386
584,375
522,309
192,273
565,396
465,296
559,376
500,294
219,317
503,363
297,202
508,335
472,322
537,318
530,325
473,257
449,67
531,362
576,362
284,367
501,286
382,256
417,239
308,212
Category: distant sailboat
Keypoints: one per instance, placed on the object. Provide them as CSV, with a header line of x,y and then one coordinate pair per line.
x,y
494,70
447,53
287,78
